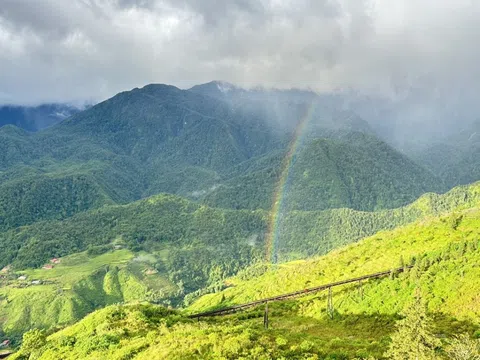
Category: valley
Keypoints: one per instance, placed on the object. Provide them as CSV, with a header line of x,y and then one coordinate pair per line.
x,y
124,219
442,250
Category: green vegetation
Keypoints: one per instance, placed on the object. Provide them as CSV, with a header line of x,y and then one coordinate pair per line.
x,y
200,245
346,170
463,347
215,236
24,202
444,251
139,143
192,248
162,139
413,339
148,332
162,195
455,159
77,286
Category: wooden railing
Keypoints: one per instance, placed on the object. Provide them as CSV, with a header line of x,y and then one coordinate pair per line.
x,y
304,292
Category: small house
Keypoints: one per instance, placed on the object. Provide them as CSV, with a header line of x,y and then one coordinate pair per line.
x,y
22,278
36,282
48,267
55,261
151,272
5,269
5,343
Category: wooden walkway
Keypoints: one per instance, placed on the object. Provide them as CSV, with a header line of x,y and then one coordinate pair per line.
x,y
299,293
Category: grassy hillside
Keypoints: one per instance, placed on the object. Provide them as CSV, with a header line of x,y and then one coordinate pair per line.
x,y
80,284
190,248
444,251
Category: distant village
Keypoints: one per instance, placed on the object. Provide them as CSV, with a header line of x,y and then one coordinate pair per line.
x,y
7,274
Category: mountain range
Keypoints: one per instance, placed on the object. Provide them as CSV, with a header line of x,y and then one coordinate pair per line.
x,y
170,196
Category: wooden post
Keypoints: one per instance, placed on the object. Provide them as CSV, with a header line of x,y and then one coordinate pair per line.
x,y
265,316
360,289
330,308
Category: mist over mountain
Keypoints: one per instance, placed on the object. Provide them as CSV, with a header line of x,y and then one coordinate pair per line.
x,y
163,139
438,129
414,117
34,118
417,116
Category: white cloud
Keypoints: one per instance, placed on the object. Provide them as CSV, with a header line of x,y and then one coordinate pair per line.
x,y
54,50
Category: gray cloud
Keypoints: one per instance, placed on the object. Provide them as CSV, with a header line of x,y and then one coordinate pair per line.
x,y
54,50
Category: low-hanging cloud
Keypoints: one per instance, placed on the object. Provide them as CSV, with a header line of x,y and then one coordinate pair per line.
x,y
54,50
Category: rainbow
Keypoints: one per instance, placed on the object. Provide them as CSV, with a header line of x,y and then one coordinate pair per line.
x,y
281,188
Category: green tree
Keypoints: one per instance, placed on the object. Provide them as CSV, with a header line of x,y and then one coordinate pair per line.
x,y
413,339
464,348
32,343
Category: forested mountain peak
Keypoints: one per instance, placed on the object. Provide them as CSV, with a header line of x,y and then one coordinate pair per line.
x,y
216,88
160,138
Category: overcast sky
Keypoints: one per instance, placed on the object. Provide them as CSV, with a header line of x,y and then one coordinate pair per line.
x,y
59,50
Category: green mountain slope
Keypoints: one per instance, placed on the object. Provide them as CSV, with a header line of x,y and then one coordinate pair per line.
x,y
191,249
80,284
53,177
160,118
163,139
46,197
139,143
166,219
454,159
347,169
444,251
195,237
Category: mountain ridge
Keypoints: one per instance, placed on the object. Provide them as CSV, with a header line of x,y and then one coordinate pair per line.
x,y
164,139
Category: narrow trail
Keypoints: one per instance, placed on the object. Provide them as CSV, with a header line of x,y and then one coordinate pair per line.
x,y
299,293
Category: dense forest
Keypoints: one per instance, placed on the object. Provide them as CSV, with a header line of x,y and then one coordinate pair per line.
x,y
167,219
163,139
353,170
